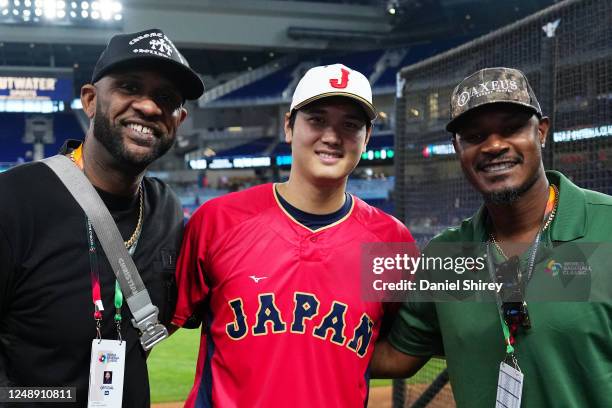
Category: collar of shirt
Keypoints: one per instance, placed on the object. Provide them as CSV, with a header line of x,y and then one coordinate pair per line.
x,y
69,145
569,223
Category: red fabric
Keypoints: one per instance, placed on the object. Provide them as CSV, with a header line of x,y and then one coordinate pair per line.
x,y
232,241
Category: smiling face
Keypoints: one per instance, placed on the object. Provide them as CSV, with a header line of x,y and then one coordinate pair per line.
x,y
499,147
327,139
135,115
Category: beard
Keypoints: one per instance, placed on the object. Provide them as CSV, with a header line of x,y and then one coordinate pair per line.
x,y
111,137
511,195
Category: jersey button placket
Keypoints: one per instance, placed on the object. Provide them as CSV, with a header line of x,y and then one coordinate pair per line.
x,y
311,248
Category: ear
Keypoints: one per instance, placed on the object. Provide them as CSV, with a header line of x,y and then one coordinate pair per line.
x,y
181,115
367,139
543,128
88,100
288,130
456,144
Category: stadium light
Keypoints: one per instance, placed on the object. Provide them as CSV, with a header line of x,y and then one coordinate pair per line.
x,y
106,9
50,13
392,7
61,12
106,6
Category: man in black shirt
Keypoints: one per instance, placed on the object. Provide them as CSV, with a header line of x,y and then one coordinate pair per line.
x,y
47,266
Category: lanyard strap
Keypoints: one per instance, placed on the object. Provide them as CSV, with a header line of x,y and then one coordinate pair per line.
x,y
118,302
506,330
498,300
136,294
95,275
77,157
530,268
95,280
548,213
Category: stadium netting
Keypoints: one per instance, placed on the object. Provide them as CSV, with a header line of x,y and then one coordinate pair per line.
x,y
566,53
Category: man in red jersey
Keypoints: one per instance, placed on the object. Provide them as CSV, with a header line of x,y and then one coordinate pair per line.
x,y
273,272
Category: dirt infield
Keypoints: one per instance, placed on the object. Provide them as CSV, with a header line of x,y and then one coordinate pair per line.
x,y
380,397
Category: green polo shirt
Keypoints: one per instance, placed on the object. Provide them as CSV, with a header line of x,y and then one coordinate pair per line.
x,y
566,356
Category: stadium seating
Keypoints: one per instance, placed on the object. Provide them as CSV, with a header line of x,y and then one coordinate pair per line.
x,y
273,85
65,126
270,86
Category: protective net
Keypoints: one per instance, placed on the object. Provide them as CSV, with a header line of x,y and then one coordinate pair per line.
x,y
566,53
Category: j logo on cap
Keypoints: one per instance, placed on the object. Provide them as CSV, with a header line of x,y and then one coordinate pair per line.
x,y
343,82
333,80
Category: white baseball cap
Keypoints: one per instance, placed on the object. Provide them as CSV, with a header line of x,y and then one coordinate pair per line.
x,y
334,80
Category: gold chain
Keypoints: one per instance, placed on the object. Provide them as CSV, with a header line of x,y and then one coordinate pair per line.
x,y
554,209
136,234
499,248
549,220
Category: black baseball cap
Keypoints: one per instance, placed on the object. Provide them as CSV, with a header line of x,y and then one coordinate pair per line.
x,y
491,85
149,49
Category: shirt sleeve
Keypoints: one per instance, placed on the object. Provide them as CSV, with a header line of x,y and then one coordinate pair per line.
x,y
415,330
190,274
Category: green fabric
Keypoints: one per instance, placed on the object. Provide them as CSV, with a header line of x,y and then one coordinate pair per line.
x,y
567,354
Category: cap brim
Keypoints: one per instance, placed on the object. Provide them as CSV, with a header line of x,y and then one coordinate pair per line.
x,y
367,106
452,125
188,82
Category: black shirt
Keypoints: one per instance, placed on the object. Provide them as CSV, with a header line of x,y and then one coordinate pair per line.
x,y
46,310
316,221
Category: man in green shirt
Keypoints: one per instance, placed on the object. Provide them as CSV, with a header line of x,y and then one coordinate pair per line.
x,y
562,334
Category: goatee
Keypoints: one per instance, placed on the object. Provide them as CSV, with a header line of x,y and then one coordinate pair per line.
x,y
510,196
111,138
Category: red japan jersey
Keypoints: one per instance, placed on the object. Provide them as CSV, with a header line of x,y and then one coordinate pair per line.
x,y
284,322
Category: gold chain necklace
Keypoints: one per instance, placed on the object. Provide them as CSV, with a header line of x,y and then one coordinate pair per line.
x,y
136,234
549,220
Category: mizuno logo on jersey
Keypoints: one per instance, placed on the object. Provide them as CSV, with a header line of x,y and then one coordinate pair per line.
x,y
257,279
306,307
